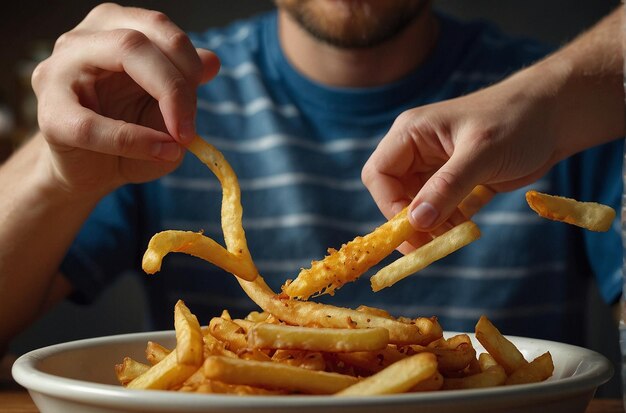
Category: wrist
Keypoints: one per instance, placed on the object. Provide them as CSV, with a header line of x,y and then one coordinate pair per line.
x,y
45,182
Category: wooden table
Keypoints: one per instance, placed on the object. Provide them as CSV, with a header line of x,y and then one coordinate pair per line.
x,y
17,400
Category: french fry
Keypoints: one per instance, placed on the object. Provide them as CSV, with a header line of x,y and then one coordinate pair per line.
x,y
311,360
359,255
501,349
589,215
434,382
129,369
336,340
422,330
441,246
537,370
351,260
189,343
236,258
370,362
228,332
453,354
218,387
155,352
164,375
485,361
275,376
493,376
197,245
397,378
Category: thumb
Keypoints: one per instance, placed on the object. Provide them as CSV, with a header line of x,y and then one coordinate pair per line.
x,y
443,192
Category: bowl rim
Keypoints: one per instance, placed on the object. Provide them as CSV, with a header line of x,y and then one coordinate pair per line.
x,y
26,373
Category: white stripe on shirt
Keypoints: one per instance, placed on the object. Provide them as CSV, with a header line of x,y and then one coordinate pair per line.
x,y
284,221
250,108
240,71
218,40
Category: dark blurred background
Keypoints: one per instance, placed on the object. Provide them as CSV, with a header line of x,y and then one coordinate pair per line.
x,y
28,31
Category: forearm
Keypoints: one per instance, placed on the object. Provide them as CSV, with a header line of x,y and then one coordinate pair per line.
x,y
39,221
586,79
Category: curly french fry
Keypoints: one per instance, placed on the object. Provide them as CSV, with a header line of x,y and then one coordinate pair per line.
x,y
236,259
198,245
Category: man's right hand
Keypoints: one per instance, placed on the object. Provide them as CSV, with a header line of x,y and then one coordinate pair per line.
x,y
116,99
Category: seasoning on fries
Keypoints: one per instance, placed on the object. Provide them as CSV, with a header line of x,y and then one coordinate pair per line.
x,y
302,347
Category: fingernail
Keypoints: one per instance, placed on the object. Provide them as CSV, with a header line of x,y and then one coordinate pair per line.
x,y
187,130
166,151
424,215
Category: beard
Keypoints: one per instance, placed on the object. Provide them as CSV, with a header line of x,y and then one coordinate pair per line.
x,y
353,24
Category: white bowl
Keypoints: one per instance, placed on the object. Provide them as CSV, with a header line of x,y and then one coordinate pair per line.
x,y
78,377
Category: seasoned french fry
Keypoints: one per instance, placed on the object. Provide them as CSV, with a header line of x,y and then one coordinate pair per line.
x,y
275,376
537,370
589,215
351,260
129,369
422,330
189,343
397,378
359,255
500,348
337,340
441,246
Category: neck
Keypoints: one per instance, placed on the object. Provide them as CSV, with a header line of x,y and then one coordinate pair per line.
x,y
368,67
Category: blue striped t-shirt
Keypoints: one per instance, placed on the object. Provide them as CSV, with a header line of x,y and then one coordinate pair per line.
x,y
298,148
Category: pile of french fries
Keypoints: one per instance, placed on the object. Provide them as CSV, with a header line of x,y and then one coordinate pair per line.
x,y
262,355
294,346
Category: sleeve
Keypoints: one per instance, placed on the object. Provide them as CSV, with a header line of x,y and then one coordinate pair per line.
x,y
105,247
601,181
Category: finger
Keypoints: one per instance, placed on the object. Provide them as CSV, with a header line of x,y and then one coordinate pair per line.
x,y
132,52
382,174
170,39
437,200
79,127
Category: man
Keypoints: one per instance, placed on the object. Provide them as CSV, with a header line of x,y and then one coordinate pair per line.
x,y
302,98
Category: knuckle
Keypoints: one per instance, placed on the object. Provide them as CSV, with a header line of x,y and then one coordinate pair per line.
x,y
63,40
121,139
177,87
130,40
157,17
367,174
38,76
443,183
81,130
